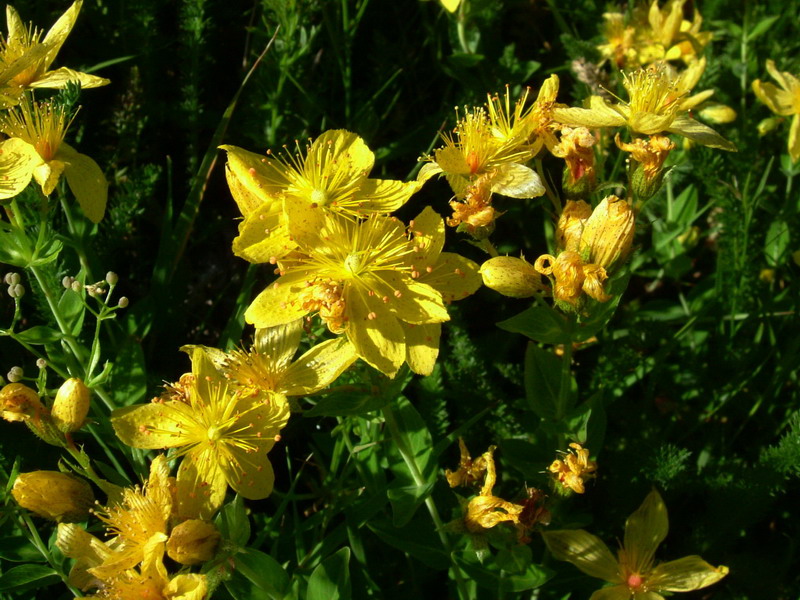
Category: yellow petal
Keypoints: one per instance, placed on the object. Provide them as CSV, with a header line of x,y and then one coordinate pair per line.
x,y
685,574
342,151
263,235
548,91
695,99
152,426
87,550
279,343
187,586
585,551
451,160
279,303
451,5
517,181
59,31
599,114
427,171
318,367
255,178
777,75
422,346
18,159
384,195
794,138
778,101
453,276
375,332
308,224
645,529
428,231
17,32
251,475
59,78
702,134
615,592
201,484
408,300
86,180
46,175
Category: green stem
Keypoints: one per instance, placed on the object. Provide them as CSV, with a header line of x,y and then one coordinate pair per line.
x,y
36,540
461,20
489,247
566,376
419,480
77,246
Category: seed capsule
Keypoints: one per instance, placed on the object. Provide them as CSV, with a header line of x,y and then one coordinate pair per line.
x,y
71,405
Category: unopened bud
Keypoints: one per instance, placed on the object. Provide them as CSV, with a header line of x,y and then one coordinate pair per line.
x,y
41,363
67,281
6,278
53,495
13,279
76,286
193,542
123,302
511,276
718,114
112,278
19,402
15,374
71,405
19,290
767,125
608,234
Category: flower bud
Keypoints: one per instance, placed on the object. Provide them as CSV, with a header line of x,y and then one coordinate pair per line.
x,y
53,495
71,405
570,225
608,234
112,278
15,374
718,114
513,277
123,302
20,402
767,125
193,542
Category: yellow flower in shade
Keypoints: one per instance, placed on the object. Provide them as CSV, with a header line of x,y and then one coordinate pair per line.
x,y
470,471
333,173
620,44
449,274
150,582
575,468
649,152
36,149
657,103
268,370
634,573
27,58
784,101
490,148
193,542
223,436
359,279
54,495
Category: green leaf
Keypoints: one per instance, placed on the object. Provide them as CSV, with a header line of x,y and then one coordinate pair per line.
x,y
776,244
128,378
15,247
331,579
72,309
18,548
32,576
260,577
491,577
38,335
539,323
417,539
542,381
405,499
761,27
598,314
346,404
233,523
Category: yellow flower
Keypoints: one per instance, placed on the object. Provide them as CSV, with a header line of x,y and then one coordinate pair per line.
x,y
36,149
574,469
54,495
633,573
657,104
21,403
449,274
357,277
268,369
222,434
332,174
193,542
784,101
650,152
27,58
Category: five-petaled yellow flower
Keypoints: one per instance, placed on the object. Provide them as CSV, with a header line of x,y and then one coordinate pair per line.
x,y
784,101
332,174
36,150
634,573
26,58
357,277
223,435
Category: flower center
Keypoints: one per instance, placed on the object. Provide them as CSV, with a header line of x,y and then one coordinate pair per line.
x,y
635,581
352,264
319,197
214,433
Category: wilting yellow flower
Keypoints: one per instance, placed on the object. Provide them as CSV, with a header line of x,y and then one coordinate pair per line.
x,y
575,147
332,174
357,277
634,572
574,469
475,213
449,274
572,277
571,222
71,405
607,235
656,104
268,369
650,152
222,434
53,495
784,101
20,403
27,58
511,276
193,542
36,149
469,472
